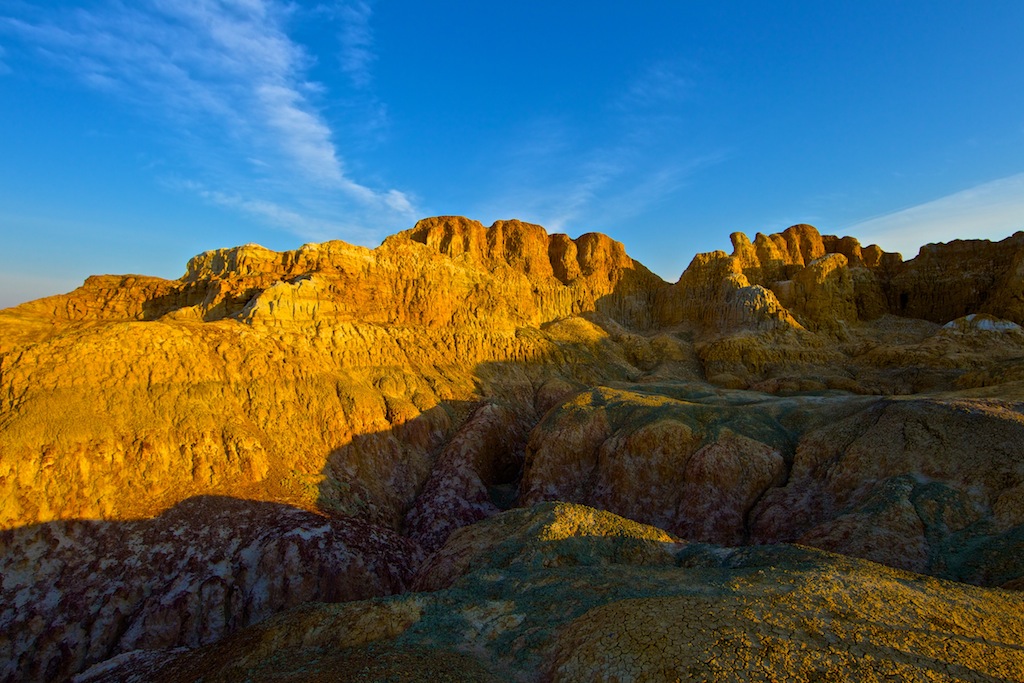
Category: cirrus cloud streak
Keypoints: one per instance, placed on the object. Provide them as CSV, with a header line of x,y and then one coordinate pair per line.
x,y
991,210
226,74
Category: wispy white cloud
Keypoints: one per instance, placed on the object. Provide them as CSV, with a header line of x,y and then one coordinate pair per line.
x,y
660,83
992,210
310,219
305,137
579,194
551,175
226,72
590,189
369,118
357,55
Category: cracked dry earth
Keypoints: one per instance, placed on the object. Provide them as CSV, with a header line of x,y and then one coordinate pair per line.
x,y
495,454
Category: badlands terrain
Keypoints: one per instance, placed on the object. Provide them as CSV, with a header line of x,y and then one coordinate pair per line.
x,y
494,454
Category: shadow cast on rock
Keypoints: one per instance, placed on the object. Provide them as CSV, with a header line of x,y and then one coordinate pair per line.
x,y
79,592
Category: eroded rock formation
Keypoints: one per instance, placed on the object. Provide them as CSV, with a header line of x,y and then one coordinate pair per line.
x,y
75,593
923,484
351,411
798,278
567,593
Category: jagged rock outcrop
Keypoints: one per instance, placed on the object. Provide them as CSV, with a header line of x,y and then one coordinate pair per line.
x,y
714,293
566,593
415,389
821,282
75,593
266,372
948,281
565,276
798,278
445,271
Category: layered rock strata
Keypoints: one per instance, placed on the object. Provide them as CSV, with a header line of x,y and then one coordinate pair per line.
x,y
798,278
265,373
921,484
360,405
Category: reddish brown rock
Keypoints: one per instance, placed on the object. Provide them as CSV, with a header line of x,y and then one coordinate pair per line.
x,y
723,481
948,281
692,468
75,592
485,454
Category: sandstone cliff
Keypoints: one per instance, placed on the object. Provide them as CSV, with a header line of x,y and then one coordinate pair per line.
x,y
355,410
823,282
261,373
798,278
947,281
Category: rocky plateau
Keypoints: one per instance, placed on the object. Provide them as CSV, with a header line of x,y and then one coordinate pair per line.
x,y
498,454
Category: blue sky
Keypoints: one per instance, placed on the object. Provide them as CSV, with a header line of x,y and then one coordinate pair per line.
x,y
136,134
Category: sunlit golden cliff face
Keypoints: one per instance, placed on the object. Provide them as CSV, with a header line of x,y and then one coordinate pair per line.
x,y
310,426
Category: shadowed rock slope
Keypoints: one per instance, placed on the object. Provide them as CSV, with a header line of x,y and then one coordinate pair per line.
x,y
561,592
276,428
78,591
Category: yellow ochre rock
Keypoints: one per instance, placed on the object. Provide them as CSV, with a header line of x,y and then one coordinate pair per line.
x,y
182,458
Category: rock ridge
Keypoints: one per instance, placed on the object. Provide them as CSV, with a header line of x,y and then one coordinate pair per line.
x,y
312,425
